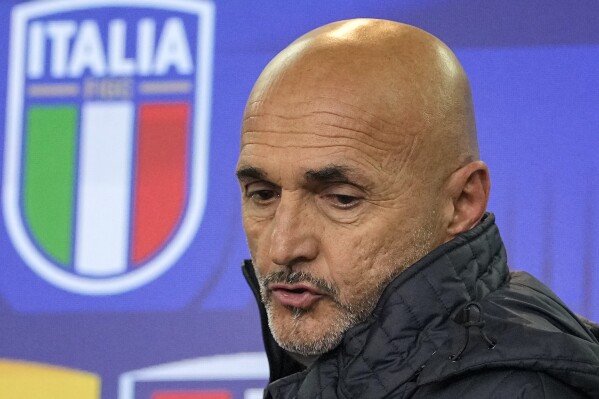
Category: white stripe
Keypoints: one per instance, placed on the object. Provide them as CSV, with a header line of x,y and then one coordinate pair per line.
x,y
102,227
253,393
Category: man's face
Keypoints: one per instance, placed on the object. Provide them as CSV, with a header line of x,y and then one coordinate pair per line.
x,y
332,211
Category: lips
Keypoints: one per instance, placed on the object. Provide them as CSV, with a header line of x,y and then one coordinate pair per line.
x,y
296,295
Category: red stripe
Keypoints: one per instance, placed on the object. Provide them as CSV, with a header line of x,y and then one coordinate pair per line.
x,y
192,395
161,173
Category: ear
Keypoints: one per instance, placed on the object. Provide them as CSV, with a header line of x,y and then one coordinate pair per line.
x,y
468,189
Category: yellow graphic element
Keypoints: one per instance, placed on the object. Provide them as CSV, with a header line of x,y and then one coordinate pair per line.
x,y
26,380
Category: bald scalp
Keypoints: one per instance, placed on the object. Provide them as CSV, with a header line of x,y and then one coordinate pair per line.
x,y
404,82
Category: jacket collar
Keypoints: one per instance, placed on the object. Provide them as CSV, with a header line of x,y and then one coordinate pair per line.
x,y
410,322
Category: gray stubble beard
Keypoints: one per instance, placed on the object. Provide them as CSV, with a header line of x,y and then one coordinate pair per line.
x,y
346,317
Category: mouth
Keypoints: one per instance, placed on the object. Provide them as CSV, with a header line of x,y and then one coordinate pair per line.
x,y
299,295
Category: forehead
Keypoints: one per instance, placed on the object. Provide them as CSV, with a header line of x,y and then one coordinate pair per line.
x,y
319,130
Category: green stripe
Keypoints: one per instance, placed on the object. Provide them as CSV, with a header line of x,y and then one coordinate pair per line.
x,y
49,178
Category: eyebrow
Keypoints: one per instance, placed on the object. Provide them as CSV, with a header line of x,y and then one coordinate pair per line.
x,y
250,172
328,174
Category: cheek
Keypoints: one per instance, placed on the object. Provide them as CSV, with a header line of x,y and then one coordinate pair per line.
x,y
364,259
256,232
354,259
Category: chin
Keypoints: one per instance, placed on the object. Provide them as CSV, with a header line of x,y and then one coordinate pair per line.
x,y
307,332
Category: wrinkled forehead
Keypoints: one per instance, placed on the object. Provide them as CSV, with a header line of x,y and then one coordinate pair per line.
x,y
333,107
334,115
299,132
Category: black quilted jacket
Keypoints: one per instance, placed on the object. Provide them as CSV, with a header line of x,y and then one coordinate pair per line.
x,y
456,324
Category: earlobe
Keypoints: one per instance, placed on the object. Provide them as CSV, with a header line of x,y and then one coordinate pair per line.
x,y
469,187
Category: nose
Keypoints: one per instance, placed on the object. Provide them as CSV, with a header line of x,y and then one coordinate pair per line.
x,y
294,235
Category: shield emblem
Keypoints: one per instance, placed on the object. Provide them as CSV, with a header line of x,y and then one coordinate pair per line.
x,y
107,136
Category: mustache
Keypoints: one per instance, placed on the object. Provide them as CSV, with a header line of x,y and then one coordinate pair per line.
x,y
299,277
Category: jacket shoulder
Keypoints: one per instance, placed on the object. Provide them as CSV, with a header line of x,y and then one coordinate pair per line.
x,y
500,384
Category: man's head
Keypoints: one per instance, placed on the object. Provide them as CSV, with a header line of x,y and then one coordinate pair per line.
x,y
358,156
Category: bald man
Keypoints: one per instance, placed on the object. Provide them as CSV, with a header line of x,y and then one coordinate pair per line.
x,y
378,271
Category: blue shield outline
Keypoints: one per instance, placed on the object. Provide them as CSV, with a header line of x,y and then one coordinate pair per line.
x,y
21,15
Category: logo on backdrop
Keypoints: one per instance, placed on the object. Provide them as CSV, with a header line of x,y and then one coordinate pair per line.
x,y
231,376
107,138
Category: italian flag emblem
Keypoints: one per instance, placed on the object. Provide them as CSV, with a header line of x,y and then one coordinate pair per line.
x,y
107,138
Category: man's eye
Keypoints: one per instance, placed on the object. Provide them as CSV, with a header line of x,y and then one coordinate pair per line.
x,y
344,201
262,196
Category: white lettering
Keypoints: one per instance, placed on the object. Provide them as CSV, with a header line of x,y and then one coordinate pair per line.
x,y
117,40
173,49
87,51
75,50
60,34
37,51
146,36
